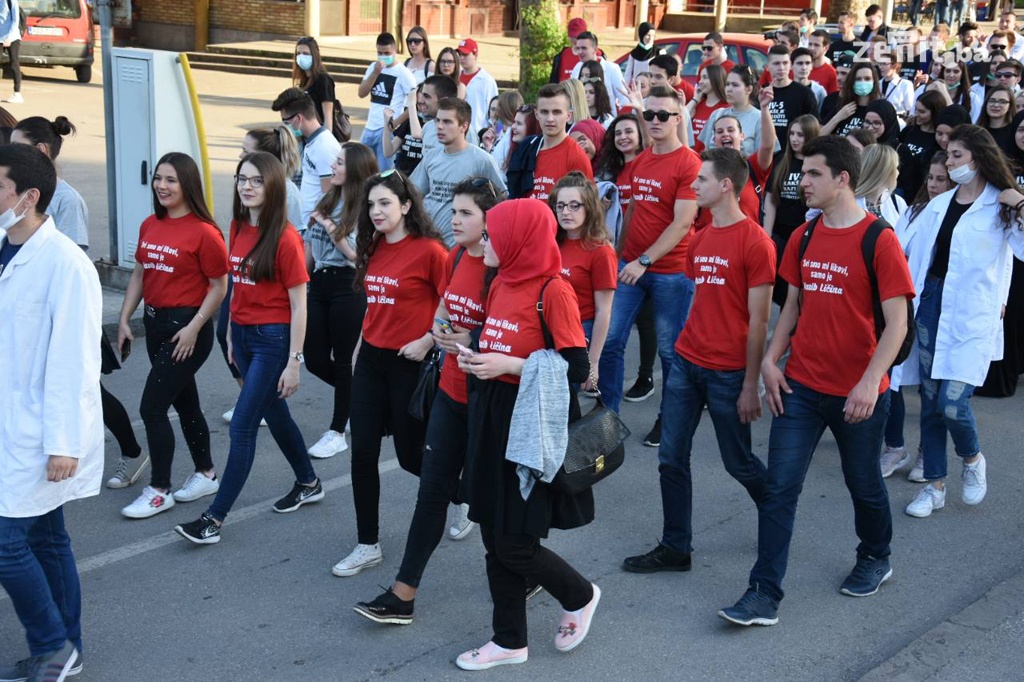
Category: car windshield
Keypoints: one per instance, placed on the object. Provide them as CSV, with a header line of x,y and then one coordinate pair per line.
x,y
64,9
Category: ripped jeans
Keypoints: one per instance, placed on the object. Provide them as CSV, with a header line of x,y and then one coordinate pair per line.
x,y
945,404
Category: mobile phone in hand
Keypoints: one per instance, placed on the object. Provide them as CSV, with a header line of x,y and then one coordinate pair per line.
x,y
463,351
126,349
445,325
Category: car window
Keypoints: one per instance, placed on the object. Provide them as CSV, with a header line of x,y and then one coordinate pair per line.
x,y
755,59
732,53
692,59
64,9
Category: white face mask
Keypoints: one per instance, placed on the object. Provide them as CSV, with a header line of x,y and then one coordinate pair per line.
x,y
963,175
9,218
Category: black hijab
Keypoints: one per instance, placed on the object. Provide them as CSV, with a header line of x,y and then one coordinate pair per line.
x,y
887,112
641,53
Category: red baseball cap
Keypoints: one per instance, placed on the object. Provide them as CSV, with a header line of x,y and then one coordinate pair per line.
x,y
576,27
467,46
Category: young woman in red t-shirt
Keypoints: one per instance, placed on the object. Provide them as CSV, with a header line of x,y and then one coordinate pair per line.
x,y
462,309
710,96
181,266
520,242
589,262
400,264
268,325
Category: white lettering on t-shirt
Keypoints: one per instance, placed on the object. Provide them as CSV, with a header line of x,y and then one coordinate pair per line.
x,y
377,289
708,270
494,331
155,256
647,187
822,275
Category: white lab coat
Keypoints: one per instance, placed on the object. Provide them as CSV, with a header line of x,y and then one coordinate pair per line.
x,y
52,308
613,83
970,332
479,93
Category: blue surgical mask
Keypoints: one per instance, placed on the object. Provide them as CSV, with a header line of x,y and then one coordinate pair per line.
x,y
386,59
304,61
863,88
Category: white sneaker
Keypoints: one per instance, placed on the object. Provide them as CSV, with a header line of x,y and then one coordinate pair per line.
x,y
928,500
916,474
363,556
461,525
975,484
893,459
330,444
123,474
15,98
150,503
231,413
197,485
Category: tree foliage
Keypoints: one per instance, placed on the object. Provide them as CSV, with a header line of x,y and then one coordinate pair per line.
x,y
541,37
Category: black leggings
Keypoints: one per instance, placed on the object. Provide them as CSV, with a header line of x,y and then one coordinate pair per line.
x,y
14,52
443,457
174,383
334,319
648,339
382,386
116,419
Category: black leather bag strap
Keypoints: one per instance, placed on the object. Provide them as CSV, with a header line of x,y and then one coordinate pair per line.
x,y
549,340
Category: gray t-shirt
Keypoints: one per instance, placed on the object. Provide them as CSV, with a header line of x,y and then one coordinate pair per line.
x,y
430,142
750,122
294,206
325,253
439,173
70,214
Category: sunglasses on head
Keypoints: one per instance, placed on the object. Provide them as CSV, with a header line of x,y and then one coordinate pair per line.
x,y
384,175
662,116
525,109
480,182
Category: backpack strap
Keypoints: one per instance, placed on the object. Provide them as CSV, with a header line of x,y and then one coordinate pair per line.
x,y
549,340
867,248
458,257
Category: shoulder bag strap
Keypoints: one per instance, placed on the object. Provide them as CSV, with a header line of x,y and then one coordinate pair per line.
x,y
549,340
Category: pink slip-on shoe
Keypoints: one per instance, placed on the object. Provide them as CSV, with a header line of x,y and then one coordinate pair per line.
x,y
489,656
575,624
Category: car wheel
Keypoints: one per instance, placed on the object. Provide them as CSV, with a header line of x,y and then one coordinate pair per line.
x,y
83,73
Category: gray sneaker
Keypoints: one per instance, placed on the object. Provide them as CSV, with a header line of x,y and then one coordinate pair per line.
x,y
19,672
916,474
55,666
893,459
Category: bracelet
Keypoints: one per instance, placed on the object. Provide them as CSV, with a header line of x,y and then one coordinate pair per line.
x,y
1020,205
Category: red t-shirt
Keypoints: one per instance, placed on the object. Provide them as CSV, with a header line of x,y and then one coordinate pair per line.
x,y
403,284
685,88
724,264
835,336
466,77
513,323
726,64
588,269
659,180
701,113
266,301
825,76
179,257
625,184
555,163
567,63
750,197
463,299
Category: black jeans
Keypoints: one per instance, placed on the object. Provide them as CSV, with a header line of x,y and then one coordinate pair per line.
x,y
223,320
170,383
117,421
512,562
648,339
443,457
334,320
14,52
382,386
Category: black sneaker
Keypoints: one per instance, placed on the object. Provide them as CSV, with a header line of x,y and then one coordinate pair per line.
x,y
387,608
866,577
20,671
753,608
54,666
653,439
640,391
661,558
299,495
205,531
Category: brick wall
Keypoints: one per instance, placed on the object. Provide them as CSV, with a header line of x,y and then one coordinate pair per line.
x,y
282,17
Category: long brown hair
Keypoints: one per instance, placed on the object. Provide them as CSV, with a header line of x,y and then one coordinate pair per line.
x,y
417,220
273,218
984,120
990,160
458,68
420,32
191,186
360,166
299,77
280,142
846,94
594,232
811,129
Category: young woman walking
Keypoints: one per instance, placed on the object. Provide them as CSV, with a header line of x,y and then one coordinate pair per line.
x,y
419,61
310,74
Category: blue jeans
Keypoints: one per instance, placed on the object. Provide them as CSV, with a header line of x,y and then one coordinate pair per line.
x,y
914,11
945,404
689,388
261,354
941,12
374,140
671,295
794,436
37,569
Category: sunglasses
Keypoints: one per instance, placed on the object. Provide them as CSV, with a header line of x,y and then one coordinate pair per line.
x,y
662,116
384,175
289,118
591,79
414,41
480,182
1006,74
706,48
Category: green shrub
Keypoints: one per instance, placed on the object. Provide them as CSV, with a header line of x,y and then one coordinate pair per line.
x,y
541,37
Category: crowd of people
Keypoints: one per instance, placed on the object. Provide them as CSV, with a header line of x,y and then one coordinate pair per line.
x,y
511,247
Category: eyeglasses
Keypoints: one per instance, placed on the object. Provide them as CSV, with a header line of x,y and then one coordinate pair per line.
x,y
992,46
484,236
1006,74
707,48
592,79
289,118
571,206
414,41
1000,102
446,62
480,182
255,181
662,116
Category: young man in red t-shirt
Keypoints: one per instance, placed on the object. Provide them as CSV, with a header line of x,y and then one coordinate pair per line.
x,y
713,51
835,377
665,71
822,72
717,357
653,246
558,154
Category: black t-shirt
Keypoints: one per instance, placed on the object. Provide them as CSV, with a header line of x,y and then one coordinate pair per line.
x,y
322,90
940,262
411,152
7,253
853,123
829,107
1004,138
790,210
790,102
837,47
916,150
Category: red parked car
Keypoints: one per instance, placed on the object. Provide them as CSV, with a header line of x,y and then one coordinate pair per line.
x,y
740,48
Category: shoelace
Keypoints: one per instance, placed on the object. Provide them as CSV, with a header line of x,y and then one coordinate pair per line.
x,y
122,469
970,476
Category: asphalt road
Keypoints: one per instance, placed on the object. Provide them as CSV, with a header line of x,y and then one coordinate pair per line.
x,y
263,605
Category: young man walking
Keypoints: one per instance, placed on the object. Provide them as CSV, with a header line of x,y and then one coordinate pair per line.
x,y
387,83
790,99
51,422
481,87
318,155
829,305
558,155
717,356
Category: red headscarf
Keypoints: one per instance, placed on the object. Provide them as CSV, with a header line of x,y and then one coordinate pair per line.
x,y
522,234
593,130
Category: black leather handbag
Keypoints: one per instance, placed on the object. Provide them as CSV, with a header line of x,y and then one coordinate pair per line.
x,y
426,387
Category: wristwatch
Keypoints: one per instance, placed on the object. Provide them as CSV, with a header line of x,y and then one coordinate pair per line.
x,y
644,260
297,356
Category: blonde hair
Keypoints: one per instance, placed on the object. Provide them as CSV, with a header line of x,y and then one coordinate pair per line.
x,y
577,95
879,164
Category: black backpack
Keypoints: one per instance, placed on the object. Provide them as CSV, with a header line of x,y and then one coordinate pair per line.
x,y
867,249
521,167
